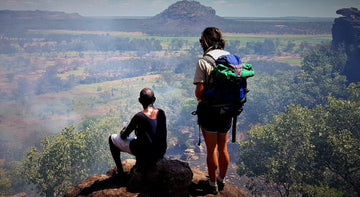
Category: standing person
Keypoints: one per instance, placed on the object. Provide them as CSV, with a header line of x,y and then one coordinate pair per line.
x,y
213,126
150,144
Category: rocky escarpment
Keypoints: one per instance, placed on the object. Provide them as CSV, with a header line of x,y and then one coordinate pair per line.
x,y
185,17
346,33
188,11
171,178
37,14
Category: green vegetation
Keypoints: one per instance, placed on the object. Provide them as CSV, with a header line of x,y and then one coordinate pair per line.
x,y
70,157
306,150
314,148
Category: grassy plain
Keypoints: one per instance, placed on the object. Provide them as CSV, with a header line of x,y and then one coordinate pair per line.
x,y
165,41
281,40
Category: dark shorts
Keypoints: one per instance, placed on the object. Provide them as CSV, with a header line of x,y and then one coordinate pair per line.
x,y
210,119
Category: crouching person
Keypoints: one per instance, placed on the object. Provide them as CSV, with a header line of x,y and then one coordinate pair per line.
x,y
150,144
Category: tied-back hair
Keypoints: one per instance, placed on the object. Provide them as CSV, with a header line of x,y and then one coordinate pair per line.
x,y
212,36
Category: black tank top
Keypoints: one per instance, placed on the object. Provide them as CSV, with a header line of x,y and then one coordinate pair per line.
x,y
151,136
149,127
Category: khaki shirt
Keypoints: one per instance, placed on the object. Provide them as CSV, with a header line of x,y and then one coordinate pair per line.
x,y
204,68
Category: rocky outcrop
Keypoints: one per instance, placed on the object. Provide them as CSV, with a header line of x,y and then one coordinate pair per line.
x,y
346,33
37,14
171,178
188,11
185,17
349,12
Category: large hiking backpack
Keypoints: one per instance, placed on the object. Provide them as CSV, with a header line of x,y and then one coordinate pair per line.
x,y
228,86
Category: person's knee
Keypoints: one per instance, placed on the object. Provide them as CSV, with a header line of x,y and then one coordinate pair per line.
x,y
111,143
110,140
223,154
212,164
222,149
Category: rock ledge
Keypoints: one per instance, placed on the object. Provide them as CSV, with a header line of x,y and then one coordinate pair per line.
x,y
171,178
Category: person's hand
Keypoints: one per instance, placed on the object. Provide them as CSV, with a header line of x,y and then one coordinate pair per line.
x,y
122,131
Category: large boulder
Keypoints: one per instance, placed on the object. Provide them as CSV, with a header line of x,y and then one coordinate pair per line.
x,y
170,178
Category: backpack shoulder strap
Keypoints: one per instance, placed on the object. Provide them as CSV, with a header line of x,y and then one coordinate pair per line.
x,y
210,59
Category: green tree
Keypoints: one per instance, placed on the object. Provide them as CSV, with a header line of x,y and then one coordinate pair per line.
x,y
15,171
49,82
176,44
320,77
70,157
5,181
280,152
272,90
233,46
268,47
338,143
289,47
307,150
98,159
59,162
268,95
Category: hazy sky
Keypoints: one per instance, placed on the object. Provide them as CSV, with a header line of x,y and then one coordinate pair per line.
x,y
238,8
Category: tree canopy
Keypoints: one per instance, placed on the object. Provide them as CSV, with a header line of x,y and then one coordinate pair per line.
x,y
315,151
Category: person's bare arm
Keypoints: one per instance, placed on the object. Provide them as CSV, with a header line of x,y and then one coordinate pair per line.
x,y
125,132
199,91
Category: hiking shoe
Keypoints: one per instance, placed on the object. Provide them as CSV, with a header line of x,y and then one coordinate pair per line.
x,y
221,185
208,189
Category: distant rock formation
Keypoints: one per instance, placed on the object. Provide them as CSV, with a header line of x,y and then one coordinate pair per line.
x,y
37,14
349,12
187,17
171,178
190,11
346,33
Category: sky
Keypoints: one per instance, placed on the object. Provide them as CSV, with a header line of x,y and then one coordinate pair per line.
x,y
224,8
